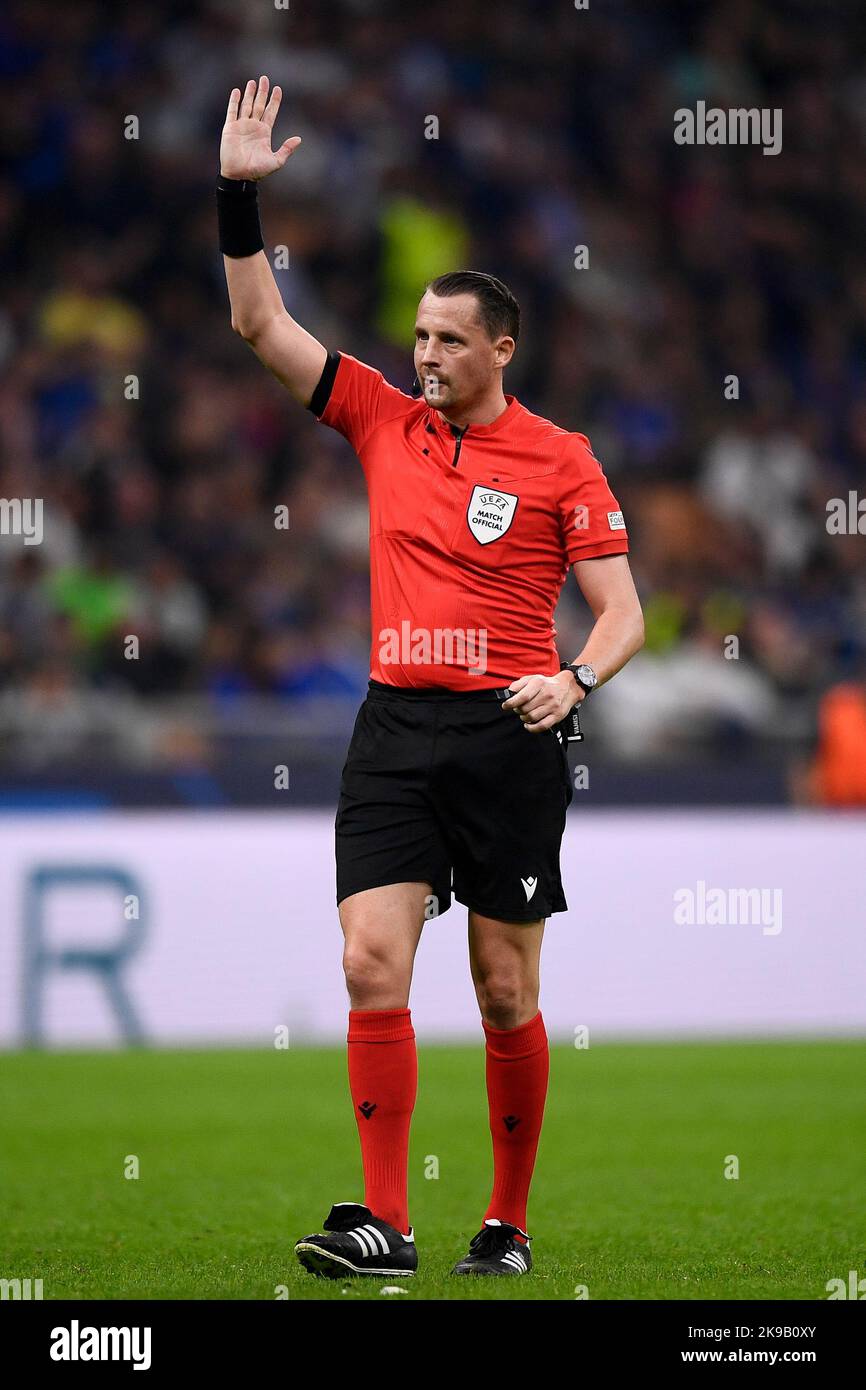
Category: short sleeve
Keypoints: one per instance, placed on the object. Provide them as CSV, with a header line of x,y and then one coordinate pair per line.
x,y
590,516
354,398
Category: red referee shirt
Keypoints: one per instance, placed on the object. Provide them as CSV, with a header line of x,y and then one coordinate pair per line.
x,y
471,534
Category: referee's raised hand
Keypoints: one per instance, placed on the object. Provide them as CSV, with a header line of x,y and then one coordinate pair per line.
x,y
245,147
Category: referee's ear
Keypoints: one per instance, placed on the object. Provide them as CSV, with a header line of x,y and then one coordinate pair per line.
x,y
507,345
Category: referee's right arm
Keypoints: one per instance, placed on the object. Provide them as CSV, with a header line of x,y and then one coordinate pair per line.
x,y
294,356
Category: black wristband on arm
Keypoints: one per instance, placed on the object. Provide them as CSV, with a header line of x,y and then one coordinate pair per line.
x,y
240,230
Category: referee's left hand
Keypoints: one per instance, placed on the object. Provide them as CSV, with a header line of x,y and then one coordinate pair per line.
x,y
542,701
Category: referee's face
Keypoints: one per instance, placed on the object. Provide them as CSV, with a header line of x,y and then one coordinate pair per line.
x,y
456,361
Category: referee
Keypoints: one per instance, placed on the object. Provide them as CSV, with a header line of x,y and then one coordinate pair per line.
x,y
457,779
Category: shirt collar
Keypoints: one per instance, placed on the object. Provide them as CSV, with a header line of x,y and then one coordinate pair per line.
x,y
474,431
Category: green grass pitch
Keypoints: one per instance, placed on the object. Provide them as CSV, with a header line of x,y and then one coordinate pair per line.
x,y
241,1152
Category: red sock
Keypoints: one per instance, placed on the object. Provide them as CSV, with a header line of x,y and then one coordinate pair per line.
x,y
383,1079
518,1062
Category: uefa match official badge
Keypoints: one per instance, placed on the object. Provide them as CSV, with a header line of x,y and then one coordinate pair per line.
x,y
490,513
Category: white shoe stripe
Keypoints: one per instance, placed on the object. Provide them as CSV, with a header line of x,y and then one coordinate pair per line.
x,y
374,1247
355,1236
513,1258
369,1245
379,1237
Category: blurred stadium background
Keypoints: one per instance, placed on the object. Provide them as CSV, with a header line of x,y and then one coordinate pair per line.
x,y
157,886
555,130
161,448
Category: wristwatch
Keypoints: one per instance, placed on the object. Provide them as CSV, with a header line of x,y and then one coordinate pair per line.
x,y
583,674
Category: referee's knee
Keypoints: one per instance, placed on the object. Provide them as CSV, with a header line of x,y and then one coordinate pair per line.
x,y
506,1001
372,981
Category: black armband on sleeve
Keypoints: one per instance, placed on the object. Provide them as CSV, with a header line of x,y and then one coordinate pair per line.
x,y
322,393
240,231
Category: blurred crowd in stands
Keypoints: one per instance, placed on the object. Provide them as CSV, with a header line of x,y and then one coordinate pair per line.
x,y
161,446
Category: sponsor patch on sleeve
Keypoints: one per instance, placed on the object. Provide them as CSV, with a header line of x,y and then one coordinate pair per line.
x,y
616,521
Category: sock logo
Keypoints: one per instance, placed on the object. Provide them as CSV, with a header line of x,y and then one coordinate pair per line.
x,y
366,1108
511,1122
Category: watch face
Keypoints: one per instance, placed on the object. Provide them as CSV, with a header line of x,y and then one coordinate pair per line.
x,y
586,675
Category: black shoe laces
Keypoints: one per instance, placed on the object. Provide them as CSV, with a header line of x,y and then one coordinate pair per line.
x,y
491,1240
346,1218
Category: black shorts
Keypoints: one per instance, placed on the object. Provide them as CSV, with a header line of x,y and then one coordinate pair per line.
x,y
438,781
